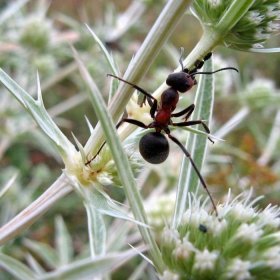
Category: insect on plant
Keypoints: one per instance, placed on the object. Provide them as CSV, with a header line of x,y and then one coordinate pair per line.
x,y
154,146
202,228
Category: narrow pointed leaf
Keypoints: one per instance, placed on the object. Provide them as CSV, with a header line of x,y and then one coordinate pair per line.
x,y
105,52
38,112
44,251
63,242
122,163
93,267
196,144
16,268
97,230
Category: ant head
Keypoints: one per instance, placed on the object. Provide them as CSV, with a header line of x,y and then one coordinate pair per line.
x,y
185,80
154,147
181,81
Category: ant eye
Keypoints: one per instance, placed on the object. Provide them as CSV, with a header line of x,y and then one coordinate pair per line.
x,y
154,147
180,81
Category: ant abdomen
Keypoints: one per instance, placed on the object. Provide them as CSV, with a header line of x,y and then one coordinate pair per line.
x,y
154,147
180,81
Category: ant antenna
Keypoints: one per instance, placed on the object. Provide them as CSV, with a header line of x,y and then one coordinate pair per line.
x,y
210,73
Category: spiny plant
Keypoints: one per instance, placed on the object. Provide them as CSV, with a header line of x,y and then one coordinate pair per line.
x,y
181,255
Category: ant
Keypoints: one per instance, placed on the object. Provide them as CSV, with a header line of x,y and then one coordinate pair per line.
x,y
154,146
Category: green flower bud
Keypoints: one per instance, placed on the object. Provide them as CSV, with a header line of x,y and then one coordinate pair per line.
x,y
251,26
45,64
244,243
260,94
36,33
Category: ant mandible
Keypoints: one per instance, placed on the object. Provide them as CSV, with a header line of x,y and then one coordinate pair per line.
x,y
154,146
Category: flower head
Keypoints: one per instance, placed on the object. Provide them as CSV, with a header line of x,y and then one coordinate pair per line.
x,y
250,25
243,244
102,171
260,94
36,33
160,209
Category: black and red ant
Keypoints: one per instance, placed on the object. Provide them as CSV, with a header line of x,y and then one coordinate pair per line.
x,y
154,146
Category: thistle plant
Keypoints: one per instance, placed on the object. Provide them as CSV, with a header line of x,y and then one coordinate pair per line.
x,y
88,172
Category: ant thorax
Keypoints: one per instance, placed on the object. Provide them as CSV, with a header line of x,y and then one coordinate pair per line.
x,y
169,99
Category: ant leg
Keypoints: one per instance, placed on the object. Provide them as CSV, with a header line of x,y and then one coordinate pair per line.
x,y
132,121
198,64
98,152
194,70
189,110
187,154
207,56
148,95
135,122
103,144
150,101
190,123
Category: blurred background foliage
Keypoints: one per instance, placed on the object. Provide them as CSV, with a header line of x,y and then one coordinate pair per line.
x,y
35,35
